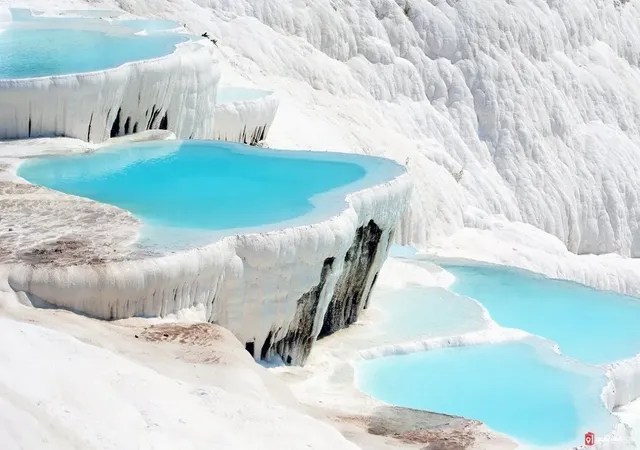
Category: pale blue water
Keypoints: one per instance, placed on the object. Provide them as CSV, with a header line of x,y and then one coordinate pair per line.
x,y
211,185
22,14
402,251
525,392
149,25
234,94
592,326
34,52
26,14
91,17
418,312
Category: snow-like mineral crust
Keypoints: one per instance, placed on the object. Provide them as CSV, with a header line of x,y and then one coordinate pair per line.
x,y
175,92
245,120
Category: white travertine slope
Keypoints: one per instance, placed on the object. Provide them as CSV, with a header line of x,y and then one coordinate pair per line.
x,y
174,92
245,120
98,399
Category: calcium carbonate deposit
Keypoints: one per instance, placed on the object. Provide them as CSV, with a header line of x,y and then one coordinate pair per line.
x,y
517,121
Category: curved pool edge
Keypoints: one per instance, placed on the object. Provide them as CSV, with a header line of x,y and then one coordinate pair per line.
x,y
620,389
624,374
135,96
276,291
245,121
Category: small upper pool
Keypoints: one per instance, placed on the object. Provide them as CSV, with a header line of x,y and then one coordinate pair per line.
x,y
211,185
149,24
595,327
26,14
29,51
237,94
519,388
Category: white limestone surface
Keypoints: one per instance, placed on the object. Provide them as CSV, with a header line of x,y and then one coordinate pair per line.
x,y
244,115
58,392
625,382
174,92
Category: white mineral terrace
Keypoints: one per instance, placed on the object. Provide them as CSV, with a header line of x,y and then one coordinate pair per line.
x,y
174,92
274,290
244,115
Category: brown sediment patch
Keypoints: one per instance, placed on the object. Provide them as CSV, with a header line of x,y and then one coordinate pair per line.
x,y
40,226
440,439
61,251
199,334
410,426
200,343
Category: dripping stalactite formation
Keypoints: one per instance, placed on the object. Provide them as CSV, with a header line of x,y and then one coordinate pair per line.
x,y
253,136
118,128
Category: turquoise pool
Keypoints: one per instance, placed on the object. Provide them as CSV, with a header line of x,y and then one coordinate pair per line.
x,y
518,388
149,24
27,15
595,327
29,51
522,389
235,94
211,185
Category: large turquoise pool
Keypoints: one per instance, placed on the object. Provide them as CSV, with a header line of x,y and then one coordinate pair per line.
x,y
28,51
518,388
211,185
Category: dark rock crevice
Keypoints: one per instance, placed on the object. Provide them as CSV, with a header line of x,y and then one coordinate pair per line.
x,y
351,294
89,129
115,128
164,122
154,115
295,346
257,135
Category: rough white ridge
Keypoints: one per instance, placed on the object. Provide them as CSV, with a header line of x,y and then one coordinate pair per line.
x,y
625,378
246,121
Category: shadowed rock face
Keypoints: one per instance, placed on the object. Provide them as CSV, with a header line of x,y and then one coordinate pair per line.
x,y
351,293
349,298
296,345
